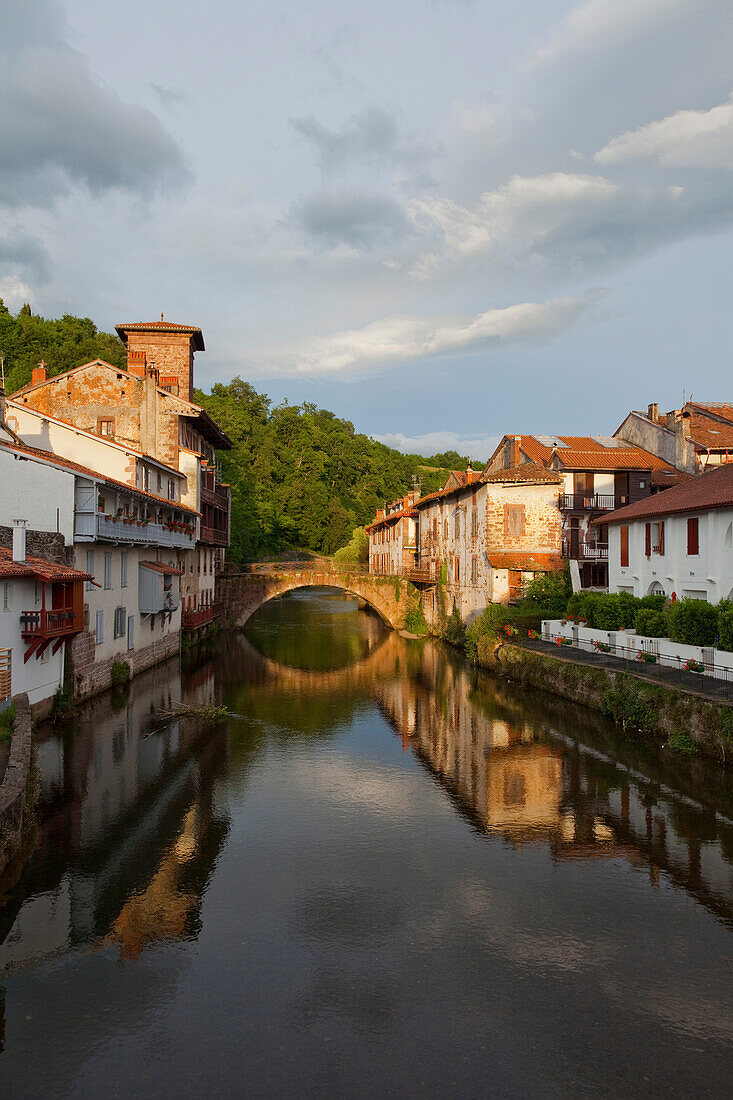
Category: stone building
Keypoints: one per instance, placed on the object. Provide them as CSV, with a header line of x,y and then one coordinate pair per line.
x,y
393,538
598,474
692,439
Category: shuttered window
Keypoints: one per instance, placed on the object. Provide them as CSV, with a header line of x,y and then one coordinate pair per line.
x,y
624,545
648,539
693,536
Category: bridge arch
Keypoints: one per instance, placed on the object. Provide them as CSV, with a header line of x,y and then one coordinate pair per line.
x,y
245,593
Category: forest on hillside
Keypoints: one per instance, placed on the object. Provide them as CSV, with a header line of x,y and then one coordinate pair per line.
x,y
301,477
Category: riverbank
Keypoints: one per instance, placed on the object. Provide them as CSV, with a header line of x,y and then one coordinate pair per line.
x,y
18,791
684,720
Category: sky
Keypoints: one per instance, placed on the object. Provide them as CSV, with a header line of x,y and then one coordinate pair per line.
x,y
442,219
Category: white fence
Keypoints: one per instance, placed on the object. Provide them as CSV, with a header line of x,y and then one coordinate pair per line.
x,y
628,644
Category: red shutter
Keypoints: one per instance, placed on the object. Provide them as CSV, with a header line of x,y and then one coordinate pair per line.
x,y
624,545
661,537
648,539
693,536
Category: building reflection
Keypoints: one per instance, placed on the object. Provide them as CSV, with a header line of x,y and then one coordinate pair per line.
x,y
515,776
133,821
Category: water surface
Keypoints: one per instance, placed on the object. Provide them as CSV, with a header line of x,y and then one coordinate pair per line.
x,y
389,876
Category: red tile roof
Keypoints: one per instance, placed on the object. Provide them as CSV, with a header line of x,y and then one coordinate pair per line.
x,y
38,567
77,468
583,452
161,567
526,561
162,326
527,471
713,489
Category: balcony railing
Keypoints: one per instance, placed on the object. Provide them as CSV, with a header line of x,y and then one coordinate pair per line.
x,y
594,551
213,536
123,529
592,502
50,624
215,497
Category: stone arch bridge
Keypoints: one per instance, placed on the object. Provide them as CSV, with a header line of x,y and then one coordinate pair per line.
x,y
241,594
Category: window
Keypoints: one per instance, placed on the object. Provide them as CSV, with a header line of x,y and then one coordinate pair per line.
x,y
658,538
108,569
106,426
120,622
474,570
624,532
171,489
457,525
693,536
36,593
457,569
99,632
146,479
6,596
123,569
474,523
514,525
100,503
445,530
131,633
90,569
160,482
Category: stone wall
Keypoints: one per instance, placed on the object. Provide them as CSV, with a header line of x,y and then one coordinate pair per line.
x,y
660,712
14,787
89,677
41,544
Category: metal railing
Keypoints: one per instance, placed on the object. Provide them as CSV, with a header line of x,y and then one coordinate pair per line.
x,y
707,677
592,502
594,551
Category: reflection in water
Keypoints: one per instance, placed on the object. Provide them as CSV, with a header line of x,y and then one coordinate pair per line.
x,y
292,898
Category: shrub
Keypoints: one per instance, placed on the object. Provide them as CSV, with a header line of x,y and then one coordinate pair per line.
x,y
488,624
693,622
547,595
120,672
415,619
356,551
725,629
650,623
454,631
7,718
655,602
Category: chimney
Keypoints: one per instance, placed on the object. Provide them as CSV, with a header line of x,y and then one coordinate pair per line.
x,y
682,444
19,540
136,362
39,374
652,412
672,419
516,455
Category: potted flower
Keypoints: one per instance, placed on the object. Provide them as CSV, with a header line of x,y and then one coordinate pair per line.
x,y
694,666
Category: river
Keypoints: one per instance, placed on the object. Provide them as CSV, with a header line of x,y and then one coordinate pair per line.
x,y
387,875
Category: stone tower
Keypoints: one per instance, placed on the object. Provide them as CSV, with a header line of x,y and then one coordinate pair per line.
x,y
165,348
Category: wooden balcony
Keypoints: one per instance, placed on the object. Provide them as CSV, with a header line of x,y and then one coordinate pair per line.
x,y
40,628
213,536
201,616
217,498
595,551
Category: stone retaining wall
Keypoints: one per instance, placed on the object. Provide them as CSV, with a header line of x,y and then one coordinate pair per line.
x,y
90,677
664,713
14,787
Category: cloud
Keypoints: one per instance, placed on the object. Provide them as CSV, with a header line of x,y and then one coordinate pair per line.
x,y
393,341
687,139
564,222
601,24
479,448
168,96
370,135
24,256
59,126
350,215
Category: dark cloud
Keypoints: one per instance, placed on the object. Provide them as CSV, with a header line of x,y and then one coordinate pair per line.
x,y
350,216
168,96
24,256
369,135
60,127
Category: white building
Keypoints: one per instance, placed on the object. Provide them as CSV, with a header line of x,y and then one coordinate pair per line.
x,y
680,541
135,546
40,611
